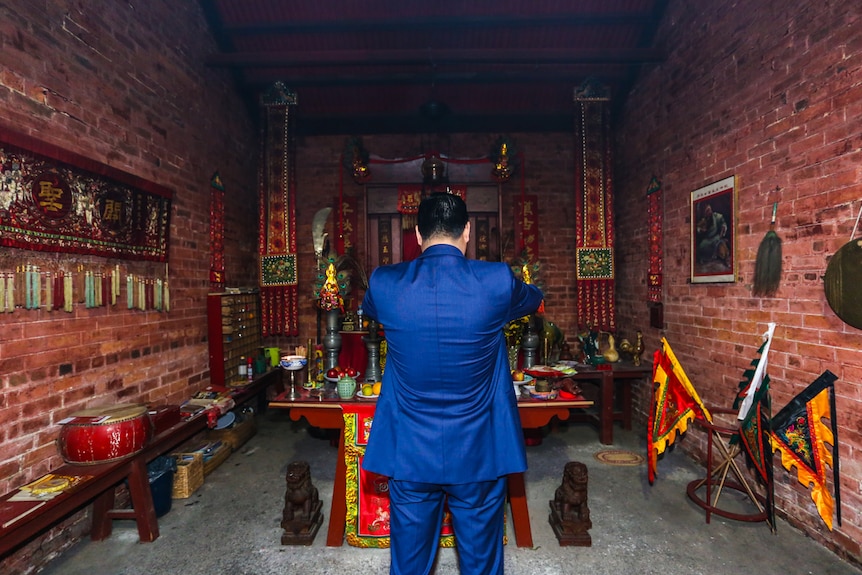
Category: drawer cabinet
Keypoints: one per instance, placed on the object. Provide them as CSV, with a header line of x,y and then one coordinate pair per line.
x,y
234,333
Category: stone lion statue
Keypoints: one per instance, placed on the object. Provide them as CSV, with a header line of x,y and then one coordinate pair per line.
x,y
300,499
570,498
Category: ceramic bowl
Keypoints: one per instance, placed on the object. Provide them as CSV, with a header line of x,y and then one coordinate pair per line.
x,y
293,361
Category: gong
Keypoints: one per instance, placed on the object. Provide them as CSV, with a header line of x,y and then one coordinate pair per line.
x,y
843,283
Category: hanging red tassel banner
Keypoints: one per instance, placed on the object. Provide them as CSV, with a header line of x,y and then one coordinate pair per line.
x,y
594,209
277,218
655,217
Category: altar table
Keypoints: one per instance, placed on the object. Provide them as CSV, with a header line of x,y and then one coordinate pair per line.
x,y
327,414
612,408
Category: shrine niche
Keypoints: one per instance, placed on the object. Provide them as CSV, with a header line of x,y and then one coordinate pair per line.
x,y
382,232
390,219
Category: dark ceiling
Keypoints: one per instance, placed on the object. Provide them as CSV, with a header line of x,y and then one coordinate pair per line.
x,y
407,66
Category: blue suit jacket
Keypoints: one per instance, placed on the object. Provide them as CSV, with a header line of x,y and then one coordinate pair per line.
x,y
447,413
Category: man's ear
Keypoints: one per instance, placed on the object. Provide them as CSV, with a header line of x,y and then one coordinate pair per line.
x,y
418,236
466,234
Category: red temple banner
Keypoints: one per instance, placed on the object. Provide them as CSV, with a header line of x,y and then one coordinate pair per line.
x,y
656,244
527,227
217,279
53,200
594,228
349,223
277,218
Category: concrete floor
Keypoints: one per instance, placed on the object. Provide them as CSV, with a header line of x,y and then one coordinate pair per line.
x,y
231,524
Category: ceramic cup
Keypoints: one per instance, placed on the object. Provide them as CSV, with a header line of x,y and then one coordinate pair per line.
x,y
346,387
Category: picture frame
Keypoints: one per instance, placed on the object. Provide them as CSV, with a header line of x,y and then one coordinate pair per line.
x,y
713,232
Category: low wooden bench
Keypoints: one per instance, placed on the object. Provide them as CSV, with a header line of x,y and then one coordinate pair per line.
x,y
99,489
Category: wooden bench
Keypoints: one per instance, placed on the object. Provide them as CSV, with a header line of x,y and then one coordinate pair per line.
x,y
99,489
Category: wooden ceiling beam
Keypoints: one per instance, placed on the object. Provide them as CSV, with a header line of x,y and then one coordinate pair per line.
x,y
383,24
263,78
342,58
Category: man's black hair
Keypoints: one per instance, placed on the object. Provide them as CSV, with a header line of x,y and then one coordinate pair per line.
x,y
442,213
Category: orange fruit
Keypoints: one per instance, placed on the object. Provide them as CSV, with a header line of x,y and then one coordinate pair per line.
x,y
376,388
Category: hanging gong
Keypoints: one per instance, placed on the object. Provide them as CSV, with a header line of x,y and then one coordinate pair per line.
x,y
842,283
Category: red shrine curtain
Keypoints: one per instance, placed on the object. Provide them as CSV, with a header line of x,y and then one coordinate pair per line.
x,y
594,209
277,218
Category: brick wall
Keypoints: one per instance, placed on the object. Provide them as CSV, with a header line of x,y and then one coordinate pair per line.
x,y
123,84
772,94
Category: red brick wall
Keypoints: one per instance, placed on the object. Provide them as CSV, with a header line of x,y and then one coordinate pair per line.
x,y
772,94
124,85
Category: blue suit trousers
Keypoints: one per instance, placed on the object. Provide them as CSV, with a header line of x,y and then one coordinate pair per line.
x,y
416,516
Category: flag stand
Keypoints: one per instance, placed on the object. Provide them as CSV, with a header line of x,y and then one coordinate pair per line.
x,y
720,461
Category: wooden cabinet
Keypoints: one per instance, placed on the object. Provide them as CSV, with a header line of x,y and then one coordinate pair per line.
x,y
233,330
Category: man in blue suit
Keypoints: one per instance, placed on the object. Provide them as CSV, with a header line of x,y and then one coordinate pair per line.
x,y
446,425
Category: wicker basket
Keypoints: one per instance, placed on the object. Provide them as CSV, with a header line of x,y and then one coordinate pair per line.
x,y
189,475
237,435
217,458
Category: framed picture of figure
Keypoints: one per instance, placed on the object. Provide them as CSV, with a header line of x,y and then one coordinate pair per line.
x,y
713,232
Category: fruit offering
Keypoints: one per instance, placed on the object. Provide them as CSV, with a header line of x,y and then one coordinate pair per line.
x,y
338,372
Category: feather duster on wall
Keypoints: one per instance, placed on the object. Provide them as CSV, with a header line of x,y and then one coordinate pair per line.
x,y
767,265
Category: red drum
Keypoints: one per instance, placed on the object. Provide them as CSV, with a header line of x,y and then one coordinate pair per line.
x,y
105,434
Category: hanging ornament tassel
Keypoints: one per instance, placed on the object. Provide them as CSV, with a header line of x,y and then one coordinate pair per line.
x,y
37,288
166,295
3,293
767,265
115,285
59,302
68,293
80,286
10,292
49,291
19,286
28,288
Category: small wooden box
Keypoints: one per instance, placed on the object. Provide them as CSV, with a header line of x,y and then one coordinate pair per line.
x,y
189,475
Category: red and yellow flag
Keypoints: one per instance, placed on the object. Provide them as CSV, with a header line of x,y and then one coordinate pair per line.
x,y
676,404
